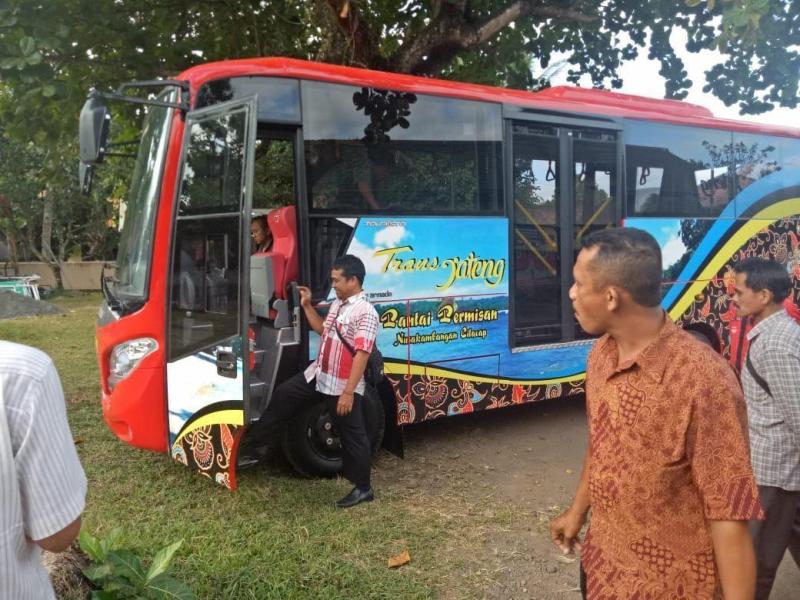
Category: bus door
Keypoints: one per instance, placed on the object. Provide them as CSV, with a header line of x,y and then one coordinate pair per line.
x,y
208,314
564,184
274,306
594,190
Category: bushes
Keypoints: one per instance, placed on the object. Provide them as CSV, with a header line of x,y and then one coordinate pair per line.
x,y
118,574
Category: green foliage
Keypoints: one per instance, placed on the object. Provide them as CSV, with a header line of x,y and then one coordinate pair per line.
x,y
52,52
273,177
119,573
31,177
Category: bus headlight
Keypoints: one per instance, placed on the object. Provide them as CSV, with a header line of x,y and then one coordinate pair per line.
x,y
126,356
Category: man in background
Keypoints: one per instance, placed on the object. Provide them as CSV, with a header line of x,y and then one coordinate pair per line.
x,y
667,471
43,487
771,381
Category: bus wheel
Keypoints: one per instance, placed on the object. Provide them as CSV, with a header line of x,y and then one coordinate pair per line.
x,y
311,443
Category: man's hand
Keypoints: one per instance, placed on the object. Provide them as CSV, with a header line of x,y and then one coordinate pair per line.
x,y
564,529
314,320
305,296
345,404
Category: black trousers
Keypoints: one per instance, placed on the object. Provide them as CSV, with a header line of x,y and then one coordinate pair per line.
x,y
772,537
295,395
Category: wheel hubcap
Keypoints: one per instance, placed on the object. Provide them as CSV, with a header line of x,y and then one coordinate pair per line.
x,y
323,436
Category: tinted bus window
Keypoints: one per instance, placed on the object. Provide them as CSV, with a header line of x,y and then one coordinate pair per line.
x,y
278,99
758,157
754,157
790,153
537,260
212,175
379,151
206,255
677,171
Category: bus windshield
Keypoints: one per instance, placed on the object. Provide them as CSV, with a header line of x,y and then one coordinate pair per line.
x,y
136,239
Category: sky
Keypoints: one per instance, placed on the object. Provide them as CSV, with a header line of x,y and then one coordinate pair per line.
x,y
641,77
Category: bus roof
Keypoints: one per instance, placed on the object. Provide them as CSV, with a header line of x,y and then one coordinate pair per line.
x,y
561,99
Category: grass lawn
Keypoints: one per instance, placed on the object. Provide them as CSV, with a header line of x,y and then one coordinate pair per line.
x,y
277,536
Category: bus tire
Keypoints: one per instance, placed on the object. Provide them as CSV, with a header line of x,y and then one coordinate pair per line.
x,y
311,443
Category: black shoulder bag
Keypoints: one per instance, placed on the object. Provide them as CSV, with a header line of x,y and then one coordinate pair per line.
x,y
752,370
373,374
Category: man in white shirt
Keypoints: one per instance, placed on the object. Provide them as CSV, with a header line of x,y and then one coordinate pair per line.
x,y
43,487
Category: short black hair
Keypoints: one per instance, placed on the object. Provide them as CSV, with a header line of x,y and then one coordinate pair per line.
x,y
763,274
630,259
350,266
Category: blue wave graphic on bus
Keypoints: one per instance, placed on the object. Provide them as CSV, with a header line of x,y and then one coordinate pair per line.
x,y
745,200
485,354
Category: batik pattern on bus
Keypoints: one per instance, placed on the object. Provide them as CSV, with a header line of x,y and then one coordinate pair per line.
x,y
779,242
423,398
206,414
209,450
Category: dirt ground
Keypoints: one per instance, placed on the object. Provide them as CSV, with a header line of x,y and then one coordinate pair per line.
x,y
525,460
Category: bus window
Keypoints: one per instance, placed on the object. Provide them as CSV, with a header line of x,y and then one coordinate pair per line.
x,y
758,156
329,239
212,178
278,98
273,174
754,157
677,171
205,269
790,153
595,181
380,151
594,169
537,281
205,283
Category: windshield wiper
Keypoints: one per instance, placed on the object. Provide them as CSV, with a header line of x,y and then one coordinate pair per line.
x,y
111,300
106,282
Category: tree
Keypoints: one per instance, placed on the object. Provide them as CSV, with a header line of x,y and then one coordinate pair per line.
x,y
52,52
487,40
42,213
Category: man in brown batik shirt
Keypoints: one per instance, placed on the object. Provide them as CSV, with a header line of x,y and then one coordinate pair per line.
x,y
667,473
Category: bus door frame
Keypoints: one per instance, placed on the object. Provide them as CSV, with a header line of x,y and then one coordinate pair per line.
x,y
227,476
566,124
289,131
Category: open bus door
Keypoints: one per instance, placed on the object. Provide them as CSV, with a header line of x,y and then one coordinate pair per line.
x,y
208,349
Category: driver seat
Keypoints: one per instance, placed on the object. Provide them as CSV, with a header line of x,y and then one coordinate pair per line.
x,y
282,224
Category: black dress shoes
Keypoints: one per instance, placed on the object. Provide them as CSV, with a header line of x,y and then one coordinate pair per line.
x,y
356,496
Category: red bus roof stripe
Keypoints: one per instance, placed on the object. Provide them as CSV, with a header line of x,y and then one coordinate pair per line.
x,y
565,99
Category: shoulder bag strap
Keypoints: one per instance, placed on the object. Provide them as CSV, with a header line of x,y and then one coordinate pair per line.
x,y
347,345
752,370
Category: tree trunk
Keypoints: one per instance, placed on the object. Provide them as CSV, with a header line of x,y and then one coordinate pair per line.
x,y
47,236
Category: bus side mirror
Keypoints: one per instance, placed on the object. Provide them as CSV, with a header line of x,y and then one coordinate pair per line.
x,y
95,122
85,176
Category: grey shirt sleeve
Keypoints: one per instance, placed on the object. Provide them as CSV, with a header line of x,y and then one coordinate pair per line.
x,y
51,480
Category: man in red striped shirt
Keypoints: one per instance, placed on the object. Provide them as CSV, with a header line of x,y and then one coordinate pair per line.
x,y
336,377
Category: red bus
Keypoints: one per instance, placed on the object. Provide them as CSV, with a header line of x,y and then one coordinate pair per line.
x,y
467,204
